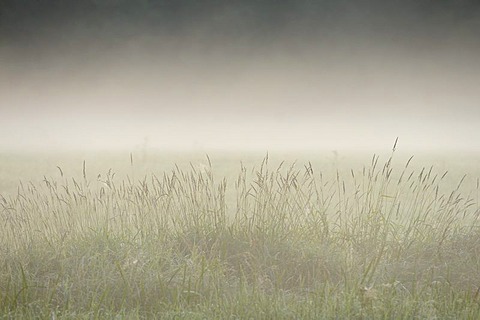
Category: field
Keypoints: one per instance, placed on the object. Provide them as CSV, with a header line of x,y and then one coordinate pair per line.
x,y
239,236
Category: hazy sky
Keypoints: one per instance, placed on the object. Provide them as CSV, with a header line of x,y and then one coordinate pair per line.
x,y
258,74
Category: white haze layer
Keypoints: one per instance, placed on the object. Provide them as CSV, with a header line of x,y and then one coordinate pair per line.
x,y
336,96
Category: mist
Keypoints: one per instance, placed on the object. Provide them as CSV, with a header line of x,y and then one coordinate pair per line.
x,y
244,75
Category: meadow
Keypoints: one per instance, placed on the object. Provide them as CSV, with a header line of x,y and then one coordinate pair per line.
x,y
239,236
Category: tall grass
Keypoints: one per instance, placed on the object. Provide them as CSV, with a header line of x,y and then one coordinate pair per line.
x,y
275,243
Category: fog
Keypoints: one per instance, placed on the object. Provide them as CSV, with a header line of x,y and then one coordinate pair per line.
x,y
263,77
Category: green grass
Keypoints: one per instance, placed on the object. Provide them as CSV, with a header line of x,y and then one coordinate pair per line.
x,y
283,241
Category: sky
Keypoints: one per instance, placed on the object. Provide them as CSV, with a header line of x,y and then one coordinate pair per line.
x,y
234,75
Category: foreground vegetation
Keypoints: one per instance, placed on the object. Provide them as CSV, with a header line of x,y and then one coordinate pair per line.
x,y
384,242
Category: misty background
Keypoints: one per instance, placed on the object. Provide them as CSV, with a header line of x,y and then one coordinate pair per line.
x,y
231,75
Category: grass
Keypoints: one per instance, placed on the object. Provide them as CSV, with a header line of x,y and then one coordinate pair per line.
x,y
384,241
